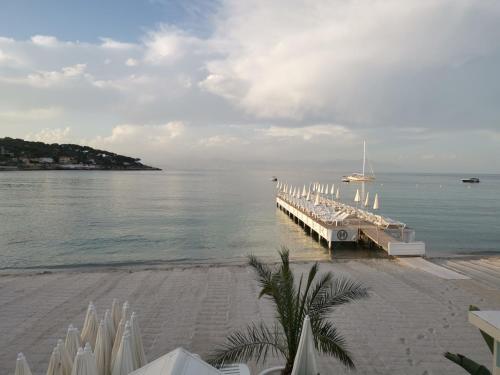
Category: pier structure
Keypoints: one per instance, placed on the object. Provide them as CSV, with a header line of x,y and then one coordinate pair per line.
x,y
331,222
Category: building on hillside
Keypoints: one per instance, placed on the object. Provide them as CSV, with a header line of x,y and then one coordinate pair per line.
x,y
66,160
45,160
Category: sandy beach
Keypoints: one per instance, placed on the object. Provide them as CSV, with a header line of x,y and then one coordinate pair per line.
x,y
410,319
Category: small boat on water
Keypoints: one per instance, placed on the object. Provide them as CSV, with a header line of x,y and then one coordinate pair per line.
x,y
274,178
360,177
471,180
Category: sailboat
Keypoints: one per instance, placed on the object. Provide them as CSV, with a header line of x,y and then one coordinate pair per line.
x,y
360,177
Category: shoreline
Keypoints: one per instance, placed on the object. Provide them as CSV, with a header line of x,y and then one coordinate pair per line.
x,y
187,263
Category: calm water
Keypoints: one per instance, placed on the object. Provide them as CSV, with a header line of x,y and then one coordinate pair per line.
x,y
82,218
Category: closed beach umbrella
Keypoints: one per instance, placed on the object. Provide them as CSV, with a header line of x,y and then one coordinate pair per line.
x,y
103,349
308,198
375,202
55,363
124,363
304,191
84,363
357,198
115,313
333,189
305,359
337,195
90,327
72,342
136,342
326,189
66,358
367,200
316,201
118,339
125,309
22,367
321,189
108,323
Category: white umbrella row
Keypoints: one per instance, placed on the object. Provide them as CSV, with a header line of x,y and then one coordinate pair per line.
x,y
112,351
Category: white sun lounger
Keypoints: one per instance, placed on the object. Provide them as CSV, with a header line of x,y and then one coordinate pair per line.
x,y
235,369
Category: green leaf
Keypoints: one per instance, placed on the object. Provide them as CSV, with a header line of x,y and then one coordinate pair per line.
x,y
467,364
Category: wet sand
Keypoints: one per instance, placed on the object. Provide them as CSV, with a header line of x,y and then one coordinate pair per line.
x,y
410,319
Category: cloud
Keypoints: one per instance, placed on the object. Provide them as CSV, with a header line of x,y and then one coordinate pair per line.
x,y
370,63
112,44
56,135
221,141
45,40
32,114
168,44
152,135
44,79
308,133
131,62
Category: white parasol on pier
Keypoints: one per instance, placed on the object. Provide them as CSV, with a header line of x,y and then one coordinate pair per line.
x,y
115,313
326,189
124,361
333,189
304,191
367,200
316,201
136,342
66,358
103,349
357,198
337,195
72,342
90,326
22,367
375,202
305,359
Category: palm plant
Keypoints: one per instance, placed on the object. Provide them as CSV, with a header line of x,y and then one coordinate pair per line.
x,y
317,296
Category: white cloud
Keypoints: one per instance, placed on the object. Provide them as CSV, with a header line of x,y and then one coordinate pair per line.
x,y
32,114
152,135
221,141
308,133
57,135
112,44
51,78
168,44
131,62
44,40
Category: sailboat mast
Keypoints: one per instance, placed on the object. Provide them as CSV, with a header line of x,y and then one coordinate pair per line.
x,y
364,156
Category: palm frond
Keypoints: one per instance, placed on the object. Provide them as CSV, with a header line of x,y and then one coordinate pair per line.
x,y
467,364
329,341
256,341
342,290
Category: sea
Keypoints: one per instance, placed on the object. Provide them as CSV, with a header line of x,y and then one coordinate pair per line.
x,y
105,218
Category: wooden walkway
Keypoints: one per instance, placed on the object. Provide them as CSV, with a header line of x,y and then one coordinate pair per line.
x,y
377,236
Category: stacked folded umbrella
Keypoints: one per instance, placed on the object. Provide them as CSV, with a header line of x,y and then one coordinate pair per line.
x,y
112,346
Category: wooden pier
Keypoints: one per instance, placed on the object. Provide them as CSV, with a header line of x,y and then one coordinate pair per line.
x,y
396,242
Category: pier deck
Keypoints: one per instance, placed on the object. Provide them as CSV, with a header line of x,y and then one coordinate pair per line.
x,y
396,242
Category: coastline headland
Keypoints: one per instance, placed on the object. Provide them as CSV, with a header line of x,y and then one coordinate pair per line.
x,y
21,155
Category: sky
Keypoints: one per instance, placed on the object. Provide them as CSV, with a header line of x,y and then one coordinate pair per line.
x,y
228,82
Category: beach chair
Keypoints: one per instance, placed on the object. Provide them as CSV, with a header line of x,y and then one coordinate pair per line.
x,y
235,369
273,371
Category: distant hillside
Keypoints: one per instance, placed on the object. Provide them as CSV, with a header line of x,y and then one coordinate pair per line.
x,y
25,155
